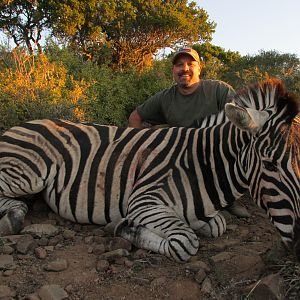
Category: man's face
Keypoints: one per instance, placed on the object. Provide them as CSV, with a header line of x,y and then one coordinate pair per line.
x,y
186,71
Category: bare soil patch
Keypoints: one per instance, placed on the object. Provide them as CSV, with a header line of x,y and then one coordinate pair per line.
x,y
230,267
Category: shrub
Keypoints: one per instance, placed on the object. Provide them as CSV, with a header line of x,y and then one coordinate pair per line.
x,y
34,88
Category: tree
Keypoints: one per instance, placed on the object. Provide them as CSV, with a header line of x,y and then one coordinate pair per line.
x,y
215,59
23,21
266,64
130,31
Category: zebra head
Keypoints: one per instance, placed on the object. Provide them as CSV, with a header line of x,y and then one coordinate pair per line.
x,y
271,155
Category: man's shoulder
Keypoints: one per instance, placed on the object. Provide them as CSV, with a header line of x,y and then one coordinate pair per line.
x,y
215,83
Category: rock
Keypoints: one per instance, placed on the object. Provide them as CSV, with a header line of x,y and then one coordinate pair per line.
x,y
43,241
221,257
89,240
6,292
159,281
52,292
6,262
269,287
40,253
200,276
184,289
112,255
220,245
206,287
38,230
8,273
230,266
117,243
98,232
232,227
13,238
98,249
56,240
124,261
69,234
33,296
195,266
6,249
26,244
57,265
140,253
49,248
102,265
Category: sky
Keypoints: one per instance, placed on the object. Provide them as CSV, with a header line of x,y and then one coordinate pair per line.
x,y
248,26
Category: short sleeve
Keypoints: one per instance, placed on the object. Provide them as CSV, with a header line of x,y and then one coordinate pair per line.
x,y
225,93
151,110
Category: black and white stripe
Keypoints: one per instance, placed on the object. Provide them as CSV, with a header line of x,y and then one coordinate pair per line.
x,y
158,187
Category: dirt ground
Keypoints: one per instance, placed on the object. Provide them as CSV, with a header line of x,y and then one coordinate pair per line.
x,y
229,267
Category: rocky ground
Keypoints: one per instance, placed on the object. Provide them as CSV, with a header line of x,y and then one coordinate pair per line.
x,y
56,259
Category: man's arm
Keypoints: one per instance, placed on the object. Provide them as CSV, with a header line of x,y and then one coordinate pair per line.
x,y
135,120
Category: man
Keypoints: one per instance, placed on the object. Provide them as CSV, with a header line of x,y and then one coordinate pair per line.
x,y
188,100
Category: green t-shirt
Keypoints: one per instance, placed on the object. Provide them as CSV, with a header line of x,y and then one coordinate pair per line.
x,y
172,108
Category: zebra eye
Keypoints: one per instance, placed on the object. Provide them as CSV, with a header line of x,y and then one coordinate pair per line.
x,y
270,166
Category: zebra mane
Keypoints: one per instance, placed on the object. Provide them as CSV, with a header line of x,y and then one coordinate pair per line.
x,y
267,94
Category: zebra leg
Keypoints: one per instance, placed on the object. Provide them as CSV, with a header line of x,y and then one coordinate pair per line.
x,y
162,232
13,213
215,227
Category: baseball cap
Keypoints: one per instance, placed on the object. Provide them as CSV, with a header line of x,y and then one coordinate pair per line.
x,y
189,51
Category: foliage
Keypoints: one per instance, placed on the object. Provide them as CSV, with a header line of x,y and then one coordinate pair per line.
x,y
249,69
128,32
215,59
62,84
35,88
24,21
111,95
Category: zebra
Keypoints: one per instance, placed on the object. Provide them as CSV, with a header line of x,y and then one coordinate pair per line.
x,y
161,188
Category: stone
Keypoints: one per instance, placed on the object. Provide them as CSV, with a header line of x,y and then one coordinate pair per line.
x,y
98,232
200,276
26,244
33,296
43,241
102,265
206,287
220,245
195,266
52,292
98,249
69,234
40,253
8,273
38,230
118,243
221,257
89,240
49,248
6,249
6,262
112,255
184,289
231,266
57,265
6,292
56,240
159,281
269,287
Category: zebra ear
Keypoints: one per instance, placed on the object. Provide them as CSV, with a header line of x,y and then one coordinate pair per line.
x,y
248,119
